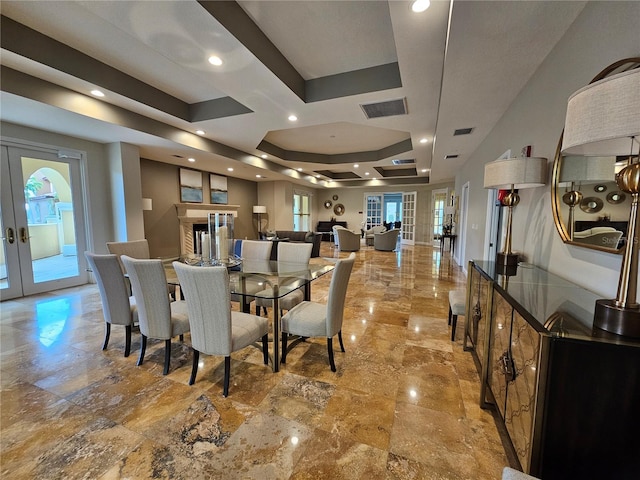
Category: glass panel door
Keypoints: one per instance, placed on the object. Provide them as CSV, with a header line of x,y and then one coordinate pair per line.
x,y
42,205
409,218
374,210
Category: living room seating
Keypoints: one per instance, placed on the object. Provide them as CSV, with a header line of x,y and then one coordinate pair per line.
x,y
326,227
386,241
346,240
311,319
368,234
607,237
315,238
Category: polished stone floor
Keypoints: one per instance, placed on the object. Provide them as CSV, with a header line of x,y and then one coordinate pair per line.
x,y
403,403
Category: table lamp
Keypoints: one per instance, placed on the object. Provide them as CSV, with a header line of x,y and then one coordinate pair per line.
x,y
513,174
449,211
603,118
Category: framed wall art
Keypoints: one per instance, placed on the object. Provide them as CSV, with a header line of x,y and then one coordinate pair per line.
x,y
190,186
218,188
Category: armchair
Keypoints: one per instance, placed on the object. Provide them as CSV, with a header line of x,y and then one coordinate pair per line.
x,y
346,240
386,241
368,234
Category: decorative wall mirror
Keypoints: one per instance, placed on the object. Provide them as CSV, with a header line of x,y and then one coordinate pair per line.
x,y
588,208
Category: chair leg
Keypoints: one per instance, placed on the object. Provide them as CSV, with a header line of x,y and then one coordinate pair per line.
x,y
340,340
167,356
266,313
107,334
143,347
182,337
449,323
285,337
127,342
265,349
194,366
258,310
454,320
227,372
330,349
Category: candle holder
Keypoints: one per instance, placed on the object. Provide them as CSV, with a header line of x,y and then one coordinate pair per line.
x,y
221,235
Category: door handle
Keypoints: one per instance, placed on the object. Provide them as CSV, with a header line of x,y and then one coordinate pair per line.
x,y
10,237
508,366
23,235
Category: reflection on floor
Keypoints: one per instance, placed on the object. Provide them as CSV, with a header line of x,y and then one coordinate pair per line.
x,y
402,405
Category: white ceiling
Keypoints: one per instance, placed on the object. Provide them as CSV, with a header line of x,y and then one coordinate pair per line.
x,y
461,64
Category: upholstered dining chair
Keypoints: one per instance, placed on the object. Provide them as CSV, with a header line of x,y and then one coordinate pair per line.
x,y
252,251
290,255
117,306
215,329
311,319
134,249
158,317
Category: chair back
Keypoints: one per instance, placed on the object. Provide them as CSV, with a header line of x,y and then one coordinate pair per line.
x,y
133,249
256,250
289,252
149,285
206,290
113,288
338,293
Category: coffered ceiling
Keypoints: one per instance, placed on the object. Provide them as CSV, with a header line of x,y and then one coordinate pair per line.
x,y
367,81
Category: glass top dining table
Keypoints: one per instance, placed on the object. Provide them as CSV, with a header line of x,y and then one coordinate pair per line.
x,y
267,279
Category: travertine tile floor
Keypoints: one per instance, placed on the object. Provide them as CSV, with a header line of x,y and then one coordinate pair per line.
x,y
402,405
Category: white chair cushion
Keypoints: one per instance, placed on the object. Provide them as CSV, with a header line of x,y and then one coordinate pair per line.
x,y
458,301
244,327
179,318
307,319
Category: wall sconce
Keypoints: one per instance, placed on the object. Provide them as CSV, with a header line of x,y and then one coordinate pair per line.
x,y
603,118
259,210
512,174
147,204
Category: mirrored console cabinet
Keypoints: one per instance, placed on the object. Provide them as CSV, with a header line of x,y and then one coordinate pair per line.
x,y
567,394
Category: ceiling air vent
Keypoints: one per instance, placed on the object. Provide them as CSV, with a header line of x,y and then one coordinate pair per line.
x,y
398,161
385,109
450,157
462,131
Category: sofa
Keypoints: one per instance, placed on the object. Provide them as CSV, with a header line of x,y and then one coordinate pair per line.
x,y
607,237
386,241
346,240
308,237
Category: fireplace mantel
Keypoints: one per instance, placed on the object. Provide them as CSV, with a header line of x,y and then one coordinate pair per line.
x,y
195,213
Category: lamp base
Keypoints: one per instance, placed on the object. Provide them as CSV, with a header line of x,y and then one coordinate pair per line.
x,y
619,320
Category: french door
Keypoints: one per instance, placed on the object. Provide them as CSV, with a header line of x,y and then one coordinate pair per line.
x,y
42,219
409,218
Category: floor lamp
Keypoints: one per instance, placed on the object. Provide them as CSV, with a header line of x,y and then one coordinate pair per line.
x,y
603,118
259,210
513,174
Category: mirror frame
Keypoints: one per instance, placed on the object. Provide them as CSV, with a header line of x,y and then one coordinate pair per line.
x,y
556,202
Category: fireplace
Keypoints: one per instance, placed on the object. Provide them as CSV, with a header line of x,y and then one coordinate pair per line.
x,y
192,214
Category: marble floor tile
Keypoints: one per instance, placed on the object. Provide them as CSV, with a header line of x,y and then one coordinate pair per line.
x,y
403,403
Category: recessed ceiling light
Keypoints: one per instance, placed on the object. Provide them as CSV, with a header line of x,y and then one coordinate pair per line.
x,y
230,169
258,176
366,173
263,156
200,132
97,93
420,5
214,60
191,159
317,175
355,165
424,140
299,169
292,118
423,170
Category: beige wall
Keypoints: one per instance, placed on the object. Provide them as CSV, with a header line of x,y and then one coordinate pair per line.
x,y
160,182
